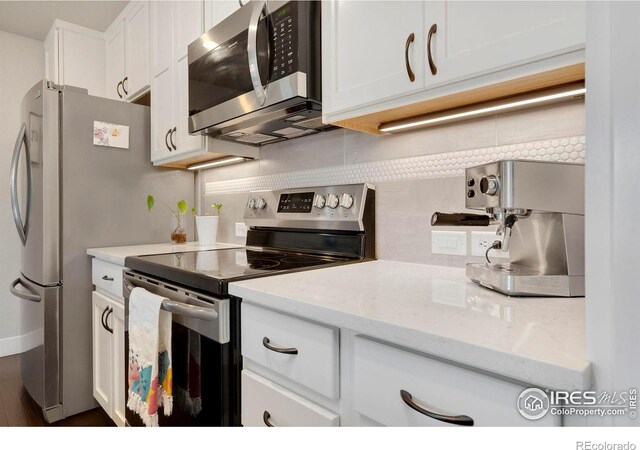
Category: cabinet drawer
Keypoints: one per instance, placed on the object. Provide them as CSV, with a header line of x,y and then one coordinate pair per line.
x,y
264,401
382,371
315,363
107,277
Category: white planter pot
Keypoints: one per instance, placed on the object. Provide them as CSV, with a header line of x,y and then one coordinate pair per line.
x,y
207,227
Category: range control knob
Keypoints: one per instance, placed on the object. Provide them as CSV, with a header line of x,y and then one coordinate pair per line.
x,y
251,204
319,201
260,203
332,201
346,200
489,185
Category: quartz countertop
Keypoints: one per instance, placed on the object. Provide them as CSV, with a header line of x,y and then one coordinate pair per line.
x,y
438,311
117,255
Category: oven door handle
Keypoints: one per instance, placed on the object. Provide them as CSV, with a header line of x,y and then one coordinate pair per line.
x,y
252,52
194,312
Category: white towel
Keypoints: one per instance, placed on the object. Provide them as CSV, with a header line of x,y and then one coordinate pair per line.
x,y
150,372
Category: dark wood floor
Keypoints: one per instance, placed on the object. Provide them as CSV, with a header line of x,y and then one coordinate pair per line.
x,y
18,409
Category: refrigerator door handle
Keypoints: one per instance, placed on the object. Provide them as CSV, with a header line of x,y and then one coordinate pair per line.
x,y
23,227
31,296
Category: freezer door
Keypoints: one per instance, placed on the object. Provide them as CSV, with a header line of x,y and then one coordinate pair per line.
x,y
35,185
40,362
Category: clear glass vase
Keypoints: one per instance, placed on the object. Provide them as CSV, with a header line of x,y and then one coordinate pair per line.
x,y
179,233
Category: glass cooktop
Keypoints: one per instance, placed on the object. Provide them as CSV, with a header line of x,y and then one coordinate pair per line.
x,y
212,270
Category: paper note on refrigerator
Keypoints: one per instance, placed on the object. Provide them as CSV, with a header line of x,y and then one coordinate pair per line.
x,y
110,135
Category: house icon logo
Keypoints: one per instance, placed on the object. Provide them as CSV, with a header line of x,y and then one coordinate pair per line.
x,y
533,403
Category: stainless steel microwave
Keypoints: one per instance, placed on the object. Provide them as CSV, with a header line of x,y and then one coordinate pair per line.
x,y
256,77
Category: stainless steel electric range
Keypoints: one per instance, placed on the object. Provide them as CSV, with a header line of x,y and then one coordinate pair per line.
x,y
289,230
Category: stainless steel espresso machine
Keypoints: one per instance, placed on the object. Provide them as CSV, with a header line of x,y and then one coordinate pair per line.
x,y
539,209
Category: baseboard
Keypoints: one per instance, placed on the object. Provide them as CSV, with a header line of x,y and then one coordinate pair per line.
x,y
18,344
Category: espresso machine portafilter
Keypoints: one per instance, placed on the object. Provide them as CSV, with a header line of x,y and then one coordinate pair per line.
x,y
539,209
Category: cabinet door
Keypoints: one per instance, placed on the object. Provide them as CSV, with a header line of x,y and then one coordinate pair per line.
x,y
162,46
365,54
476,38
137,54
215,11
102,353
115,62
82,61
116,321
189,25
185,142
162,114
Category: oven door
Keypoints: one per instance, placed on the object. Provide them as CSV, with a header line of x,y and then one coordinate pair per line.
x,y
229,67
205,355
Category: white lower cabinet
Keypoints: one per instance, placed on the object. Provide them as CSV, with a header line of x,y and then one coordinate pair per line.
x,y
265,403
298,372
108,352
396,387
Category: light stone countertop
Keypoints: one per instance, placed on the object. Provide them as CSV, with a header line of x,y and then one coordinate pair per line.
x,y
117,255
438,311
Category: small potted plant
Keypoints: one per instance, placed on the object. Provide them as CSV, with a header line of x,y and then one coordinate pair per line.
x,y
207,225
178,235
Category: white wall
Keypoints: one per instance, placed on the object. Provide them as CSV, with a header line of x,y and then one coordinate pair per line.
x,y
21,66
612,244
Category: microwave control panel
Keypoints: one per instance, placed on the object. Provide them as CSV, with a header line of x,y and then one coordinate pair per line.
x,y
284,43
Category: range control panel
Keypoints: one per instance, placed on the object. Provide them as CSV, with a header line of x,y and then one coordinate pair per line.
x,y
327,207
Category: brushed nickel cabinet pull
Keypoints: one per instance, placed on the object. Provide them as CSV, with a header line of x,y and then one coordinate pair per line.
x,y
456,420
118,89
432,65
265,418
288,351
410,73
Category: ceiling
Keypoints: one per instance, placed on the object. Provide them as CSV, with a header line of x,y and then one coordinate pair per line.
x,y
34,18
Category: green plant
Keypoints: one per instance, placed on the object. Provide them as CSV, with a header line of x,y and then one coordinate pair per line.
x,y
182,206
217,206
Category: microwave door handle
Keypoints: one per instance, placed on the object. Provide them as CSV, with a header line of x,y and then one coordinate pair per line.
x,y
252,52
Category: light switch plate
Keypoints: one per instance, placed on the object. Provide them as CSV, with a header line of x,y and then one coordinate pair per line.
x,y
241,229
449,242
481,240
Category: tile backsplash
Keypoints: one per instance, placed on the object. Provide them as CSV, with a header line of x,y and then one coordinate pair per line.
x,y
415,173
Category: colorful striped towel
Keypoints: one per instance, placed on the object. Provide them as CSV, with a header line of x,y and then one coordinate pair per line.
x,y
150,373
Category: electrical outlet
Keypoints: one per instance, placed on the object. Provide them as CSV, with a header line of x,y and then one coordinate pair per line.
x,y
449,242
241,229
482,240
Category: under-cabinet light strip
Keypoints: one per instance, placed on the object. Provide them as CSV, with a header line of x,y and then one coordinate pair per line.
x,y
218,162
420,122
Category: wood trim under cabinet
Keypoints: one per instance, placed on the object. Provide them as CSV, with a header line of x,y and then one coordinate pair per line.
x,y
370,123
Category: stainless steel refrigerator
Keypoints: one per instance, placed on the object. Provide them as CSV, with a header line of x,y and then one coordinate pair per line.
x,y
69,195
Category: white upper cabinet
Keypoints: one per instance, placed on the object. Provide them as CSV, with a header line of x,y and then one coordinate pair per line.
x,y
189,25
456,47
75,56
127,53
373,51
215,11
162,46
137,50
475,38
115,50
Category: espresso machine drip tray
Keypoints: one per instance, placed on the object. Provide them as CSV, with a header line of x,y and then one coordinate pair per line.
x,y
522,281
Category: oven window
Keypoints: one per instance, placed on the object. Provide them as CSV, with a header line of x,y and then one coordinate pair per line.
x,y
223,73
201,382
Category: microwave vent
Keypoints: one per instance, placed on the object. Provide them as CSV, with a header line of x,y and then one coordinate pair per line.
x,y
257,138
315,123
